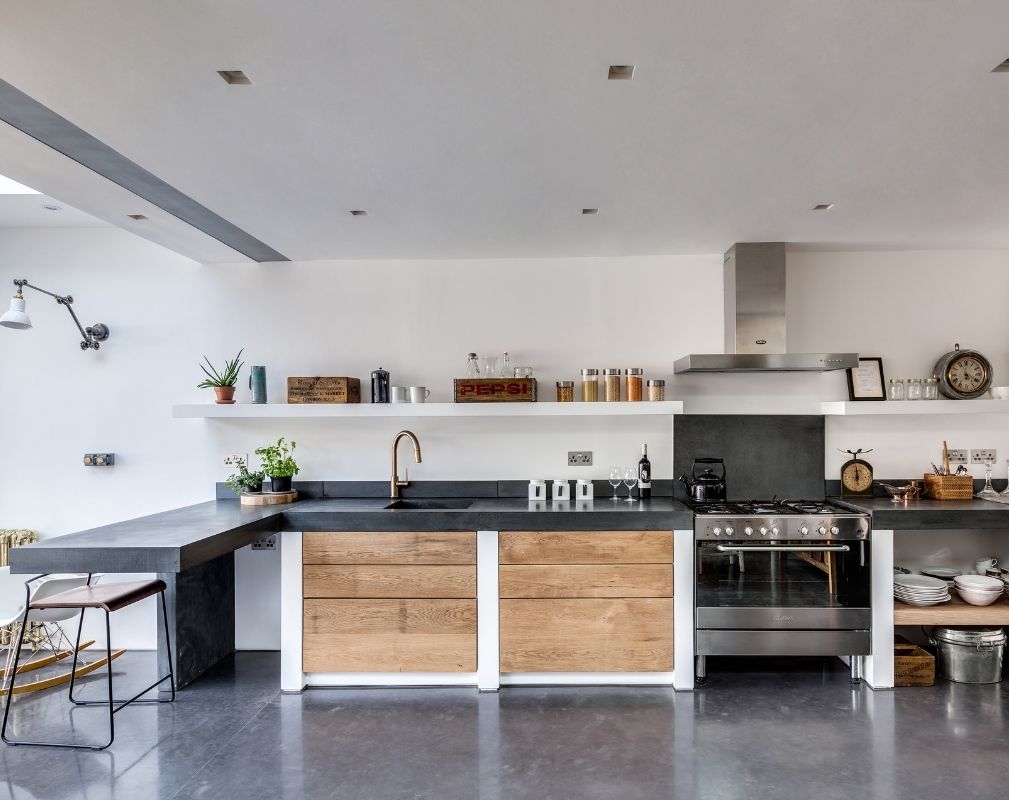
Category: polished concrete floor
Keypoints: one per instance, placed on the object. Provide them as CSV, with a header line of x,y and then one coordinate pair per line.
x,y
754,734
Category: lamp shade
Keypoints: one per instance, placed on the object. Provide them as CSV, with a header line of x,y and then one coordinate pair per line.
x,y
16,317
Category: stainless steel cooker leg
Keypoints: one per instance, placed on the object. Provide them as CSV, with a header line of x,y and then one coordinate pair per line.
x,y
855,665
701,669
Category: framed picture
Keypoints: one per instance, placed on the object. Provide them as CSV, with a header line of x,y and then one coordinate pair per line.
x,y
865,382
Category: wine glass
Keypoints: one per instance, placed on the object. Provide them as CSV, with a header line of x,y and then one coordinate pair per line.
x,y
988,492
1005,492
616,476
631,480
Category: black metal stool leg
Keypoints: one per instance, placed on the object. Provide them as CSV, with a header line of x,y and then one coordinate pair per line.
x,y
77,647
13,675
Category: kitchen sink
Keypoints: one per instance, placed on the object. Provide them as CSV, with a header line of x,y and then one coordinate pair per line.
x,y
429,505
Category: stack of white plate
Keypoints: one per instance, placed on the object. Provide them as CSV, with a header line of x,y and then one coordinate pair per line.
x,y
920,590
979,590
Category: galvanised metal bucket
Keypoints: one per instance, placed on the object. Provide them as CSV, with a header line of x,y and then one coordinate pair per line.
x,y
969,655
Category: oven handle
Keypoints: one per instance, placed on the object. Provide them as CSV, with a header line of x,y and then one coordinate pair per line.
x,y
784,548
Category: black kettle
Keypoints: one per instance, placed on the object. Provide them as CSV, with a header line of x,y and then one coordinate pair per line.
x,y
707,486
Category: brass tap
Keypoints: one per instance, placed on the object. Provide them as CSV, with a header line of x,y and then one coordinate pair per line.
x,y
395,483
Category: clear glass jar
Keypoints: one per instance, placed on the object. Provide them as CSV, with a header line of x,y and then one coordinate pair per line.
x,y
656,390
931,389
913,390
634,383
611,385
565,391
896,389
590,385
472,367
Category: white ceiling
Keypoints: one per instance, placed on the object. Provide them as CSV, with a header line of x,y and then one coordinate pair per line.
x,y
471,129
29,211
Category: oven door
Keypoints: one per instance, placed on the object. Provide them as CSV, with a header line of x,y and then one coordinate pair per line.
x,y
783,585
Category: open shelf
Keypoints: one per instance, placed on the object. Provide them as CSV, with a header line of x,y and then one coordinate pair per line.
x,y
955,612
357,410
914,407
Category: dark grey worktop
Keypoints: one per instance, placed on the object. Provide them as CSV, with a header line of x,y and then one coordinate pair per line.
x,y
933,514
176,540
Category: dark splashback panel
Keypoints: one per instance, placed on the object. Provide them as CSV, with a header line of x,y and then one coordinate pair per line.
x,y
765,455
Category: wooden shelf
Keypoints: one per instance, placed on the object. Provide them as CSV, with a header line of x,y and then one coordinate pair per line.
x,y
955,612
914,408
358,410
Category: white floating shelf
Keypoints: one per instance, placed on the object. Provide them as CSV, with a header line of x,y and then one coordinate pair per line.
x,y
311,410
914,407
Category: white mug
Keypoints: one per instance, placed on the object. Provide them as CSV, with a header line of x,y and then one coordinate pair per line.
x,y
562,491
399,394
537,490
985,564
584,490
419,394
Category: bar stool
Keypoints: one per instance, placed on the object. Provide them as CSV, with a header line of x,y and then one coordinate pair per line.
x,y
108,597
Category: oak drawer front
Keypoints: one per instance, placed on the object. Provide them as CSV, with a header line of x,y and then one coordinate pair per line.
x,y
389,636
388,580
389,548
587,635
585,580
597,547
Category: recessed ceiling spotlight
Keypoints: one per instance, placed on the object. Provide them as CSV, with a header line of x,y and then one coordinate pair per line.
x,y
1003,67
358,212
621,72
234,77
136,217
589,211
823,207
50,207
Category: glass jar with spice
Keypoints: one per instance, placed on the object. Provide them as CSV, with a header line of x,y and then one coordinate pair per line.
x,y
635,383
931,391
656,390
611,385
896,389
590,385
565,391
913,390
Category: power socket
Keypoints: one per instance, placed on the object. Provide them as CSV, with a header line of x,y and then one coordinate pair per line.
x,y
232,459
957,457
983,456
579,458
266,543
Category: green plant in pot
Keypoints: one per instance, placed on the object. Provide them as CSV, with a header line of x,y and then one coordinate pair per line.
x,y
279,464
223,381
245,481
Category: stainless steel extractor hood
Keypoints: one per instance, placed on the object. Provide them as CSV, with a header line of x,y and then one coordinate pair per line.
x,y
755,331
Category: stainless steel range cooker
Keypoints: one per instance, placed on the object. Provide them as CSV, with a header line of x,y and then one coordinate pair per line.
x,y
781,578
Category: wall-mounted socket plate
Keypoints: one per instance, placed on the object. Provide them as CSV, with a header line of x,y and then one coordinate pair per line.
x,y
266,543
99,459
957,457
983,456
579,458
232,459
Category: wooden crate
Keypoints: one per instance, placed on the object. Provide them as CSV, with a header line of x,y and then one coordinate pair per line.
x,y
495,390
949,487
323,390
912,666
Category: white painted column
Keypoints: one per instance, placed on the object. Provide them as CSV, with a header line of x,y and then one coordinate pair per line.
x,y
488,650
292,675
878,668
683,610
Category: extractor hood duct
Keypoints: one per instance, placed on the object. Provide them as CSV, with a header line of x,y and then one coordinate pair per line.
x,y
755,331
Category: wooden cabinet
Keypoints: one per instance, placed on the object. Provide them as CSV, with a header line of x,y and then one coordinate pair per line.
x,y
586,602
389,602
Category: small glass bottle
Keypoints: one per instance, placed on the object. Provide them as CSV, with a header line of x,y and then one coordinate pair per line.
x,y
590,385
565,391
896,389
931,389
635,383
472,366
506,367
656,390
611,385
913,389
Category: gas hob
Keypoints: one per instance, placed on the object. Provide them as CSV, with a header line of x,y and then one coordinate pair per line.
x,y
777,520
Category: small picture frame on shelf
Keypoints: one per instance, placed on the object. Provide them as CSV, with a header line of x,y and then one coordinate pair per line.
x,y
866,382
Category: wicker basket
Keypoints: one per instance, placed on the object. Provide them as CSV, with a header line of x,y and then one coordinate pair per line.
x,y
949,487
912,666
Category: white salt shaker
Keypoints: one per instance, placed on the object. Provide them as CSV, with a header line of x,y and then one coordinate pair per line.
x,y
562,490
583,490
537,490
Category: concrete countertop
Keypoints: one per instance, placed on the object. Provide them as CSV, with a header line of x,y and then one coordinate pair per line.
x,y
175,540
932,514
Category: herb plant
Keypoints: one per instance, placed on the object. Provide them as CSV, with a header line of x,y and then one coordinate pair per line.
x,y
228,376
243,480
278,459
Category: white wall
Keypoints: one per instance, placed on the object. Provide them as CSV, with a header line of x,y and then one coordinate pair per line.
x,y
419,319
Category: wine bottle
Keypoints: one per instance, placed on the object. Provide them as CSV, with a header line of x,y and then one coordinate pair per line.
x,y
644,475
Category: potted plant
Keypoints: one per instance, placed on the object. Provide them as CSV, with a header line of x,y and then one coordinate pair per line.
x,y
245,481
279,464
223,382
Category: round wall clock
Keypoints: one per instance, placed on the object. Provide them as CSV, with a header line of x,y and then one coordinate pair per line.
x,y
963,374
856,475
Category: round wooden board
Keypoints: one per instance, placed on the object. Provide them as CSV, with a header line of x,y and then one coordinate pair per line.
x,y
268,498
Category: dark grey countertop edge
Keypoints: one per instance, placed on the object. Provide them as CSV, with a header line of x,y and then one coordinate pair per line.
x,y
932,515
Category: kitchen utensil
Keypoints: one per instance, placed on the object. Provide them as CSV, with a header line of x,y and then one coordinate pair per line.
x,y
985,564
399,394
897,493
976,597
961,470
943,573
380,386
523,372
969,655
630,481
537,490
616,476
257,383
707,486
945,458
562,490
489,366
419,394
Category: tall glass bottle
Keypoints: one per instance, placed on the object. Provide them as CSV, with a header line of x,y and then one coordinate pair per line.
x,y
644,475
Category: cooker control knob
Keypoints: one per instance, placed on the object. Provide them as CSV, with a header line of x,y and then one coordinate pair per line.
x,y
834,530
728,530
748,530
821,530
716,531
804,530
763,531
774,531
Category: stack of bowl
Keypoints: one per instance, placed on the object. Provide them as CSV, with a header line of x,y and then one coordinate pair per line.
x,y
978,590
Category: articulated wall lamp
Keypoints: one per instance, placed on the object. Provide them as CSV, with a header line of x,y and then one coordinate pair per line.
x,y
17,318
